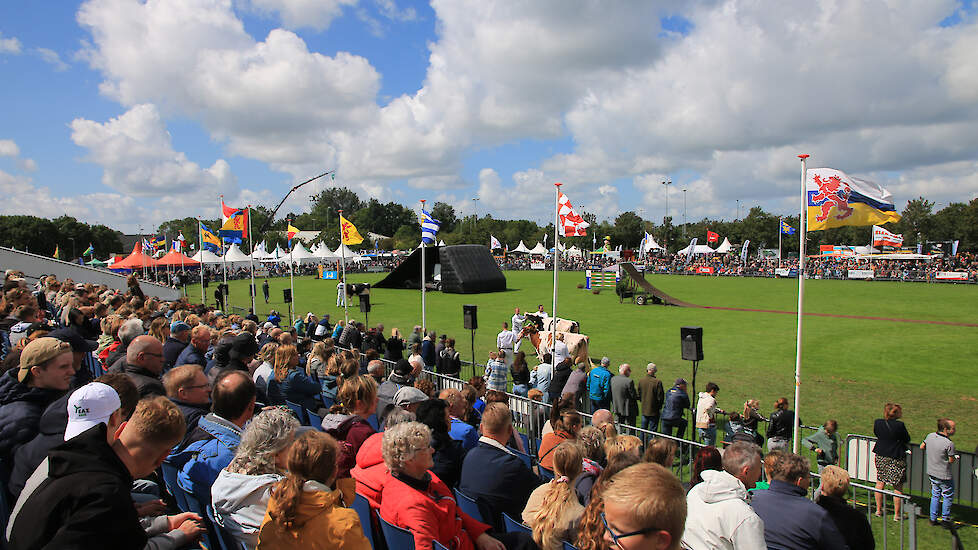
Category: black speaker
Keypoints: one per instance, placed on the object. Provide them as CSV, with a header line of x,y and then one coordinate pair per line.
x,y
364,303
287,295
469,319
692,343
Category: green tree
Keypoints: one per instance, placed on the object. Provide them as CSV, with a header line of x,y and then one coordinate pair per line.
x,y
445,214
918,220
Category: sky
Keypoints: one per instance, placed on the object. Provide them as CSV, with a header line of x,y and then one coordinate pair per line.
x,y
130,113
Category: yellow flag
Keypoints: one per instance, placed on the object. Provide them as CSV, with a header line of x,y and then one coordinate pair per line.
x,y
56,251
349,232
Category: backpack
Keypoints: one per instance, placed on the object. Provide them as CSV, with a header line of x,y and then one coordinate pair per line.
x,y
448,362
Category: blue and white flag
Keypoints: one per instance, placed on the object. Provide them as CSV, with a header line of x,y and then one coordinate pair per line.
x,y
494,243
429,227
743,251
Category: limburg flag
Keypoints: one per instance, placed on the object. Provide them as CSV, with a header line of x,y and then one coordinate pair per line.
x,y
835,200
349,232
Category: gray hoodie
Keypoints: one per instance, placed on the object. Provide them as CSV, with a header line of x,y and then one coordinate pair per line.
x,y
718,516
239,503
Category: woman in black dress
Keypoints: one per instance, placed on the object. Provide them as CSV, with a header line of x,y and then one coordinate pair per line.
x,y
892,439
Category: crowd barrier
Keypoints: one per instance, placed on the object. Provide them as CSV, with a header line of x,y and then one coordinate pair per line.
x,y
861,463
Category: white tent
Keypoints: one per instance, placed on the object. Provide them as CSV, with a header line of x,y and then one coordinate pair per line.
x,y
234,255
521,248
441,243
540,250
724,247
344,250
260,253
206,257
574,252
277,254
865,250
323,251
651,245
700,249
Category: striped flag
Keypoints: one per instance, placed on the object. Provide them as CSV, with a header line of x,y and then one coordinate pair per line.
x,y
494,243
429,227
572,223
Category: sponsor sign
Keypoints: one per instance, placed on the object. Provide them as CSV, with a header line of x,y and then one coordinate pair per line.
x,y
860,274
952,276
330,275
705,269
538,265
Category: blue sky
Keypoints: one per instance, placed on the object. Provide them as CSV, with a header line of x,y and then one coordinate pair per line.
x,y
126,113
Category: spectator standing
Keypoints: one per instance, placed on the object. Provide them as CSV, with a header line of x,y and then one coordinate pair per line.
x,y
562,372
706,411
718,516
599,385
241,492
780,430
892,439
505,341
850,522
449,360
520,374
791,520
553,510
415,337
492,473
303,511
497,370
428,354
624,396
577,384
825,444
265,291
395,346
677,401
46,369
541,376
652,396
940,456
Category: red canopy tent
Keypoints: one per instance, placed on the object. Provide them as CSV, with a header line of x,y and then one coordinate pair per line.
x,y
175,258
136,260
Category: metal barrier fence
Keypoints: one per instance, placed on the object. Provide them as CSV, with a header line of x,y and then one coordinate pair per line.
x,y
904,530
861,465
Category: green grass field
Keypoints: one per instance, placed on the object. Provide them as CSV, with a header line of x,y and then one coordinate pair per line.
x,y
851,367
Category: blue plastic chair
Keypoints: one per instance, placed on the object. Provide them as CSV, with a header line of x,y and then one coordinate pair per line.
x,y
170,481
315,420
526,440
300,412
545,474
195,506
397,538
527,459
435,545
374,423
469,506
513,526
362,508
327,401
569,546
224,539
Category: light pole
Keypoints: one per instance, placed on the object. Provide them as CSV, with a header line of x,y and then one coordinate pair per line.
x,y
475,213
684,213
738,209
666,229
72,239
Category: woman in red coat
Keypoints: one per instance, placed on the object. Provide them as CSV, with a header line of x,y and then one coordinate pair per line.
x,y
415,499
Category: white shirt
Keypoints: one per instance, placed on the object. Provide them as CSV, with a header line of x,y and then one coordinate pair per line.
x,y
494,443
518,320
505,340
560,351
718,515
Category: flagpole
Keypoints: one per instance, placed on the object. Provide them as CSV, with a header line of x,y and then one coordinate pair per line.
x,y
556,261
424,326
802,221
346,309
292,279
200,237
251,260
780,231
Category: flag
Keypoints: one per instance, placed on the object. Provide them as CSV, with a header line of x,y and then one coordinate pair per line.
x,y
90,251
348,232
209,239
712,237
494,243
572,223
55,252
234,223
954,248
882,237
180,242
836,200
429,227
743,251
290,233
786,229
691,249
147,248
158,242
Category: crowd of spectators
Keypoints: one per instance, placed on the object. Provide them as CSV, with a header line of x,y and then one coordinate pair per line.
x,y
124,414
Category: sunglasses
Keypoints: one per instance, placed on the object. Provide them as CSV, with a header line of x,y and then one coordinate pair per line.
x,y
617,537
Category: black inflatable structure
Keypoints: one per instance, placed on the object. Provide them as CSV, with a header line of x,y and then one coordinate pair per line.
x,y
465,269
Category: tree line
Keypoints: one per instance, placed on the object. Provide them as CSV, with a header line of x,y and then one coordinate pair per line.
x,y
398,224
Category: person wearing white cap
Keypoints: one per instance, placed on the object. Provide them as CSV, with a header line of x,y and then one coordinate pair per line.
x,y
91,405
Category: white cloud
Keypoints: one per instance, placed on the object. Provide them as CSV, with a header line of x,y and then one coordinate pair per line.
x,y
9,45
316,14
52,57
8,148
137,158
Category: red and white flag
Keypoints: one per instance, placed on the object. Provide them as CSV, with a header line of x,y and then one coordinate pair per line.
x,y
882,237
712,237
573,224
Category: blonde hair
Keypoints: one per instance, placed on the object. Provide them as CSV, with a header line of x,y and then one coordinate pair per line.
x,y
283,360
156,329
835,481
358,389
401,442
568,458
311,457
653,497
157,421
623,444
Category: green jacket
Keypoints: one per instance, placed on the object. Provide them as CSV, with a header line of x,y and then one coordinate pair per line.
x,y
828,443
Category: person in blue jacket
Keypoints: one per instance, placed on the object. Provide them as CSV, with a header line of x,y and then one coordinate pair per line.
x,y
599,385
677,401
293,382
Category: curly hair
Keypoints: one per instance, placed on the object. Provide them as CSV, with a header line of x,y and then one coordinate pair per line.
x,y
269,432
402,442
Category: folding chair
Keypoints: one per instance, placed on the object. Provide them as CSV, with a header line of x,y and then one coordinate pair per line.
x,y
397,538
300,413
513,526
469,506
315,420
362,508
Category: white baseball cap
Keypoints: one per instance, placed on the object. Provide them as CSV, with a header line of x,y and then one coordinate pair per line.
x,y
90,405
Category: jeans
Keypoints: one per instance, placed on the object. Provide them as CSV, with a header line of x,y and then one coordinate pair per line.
x,y
941,490
602,404
669,424
520,389
650,423
708,436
